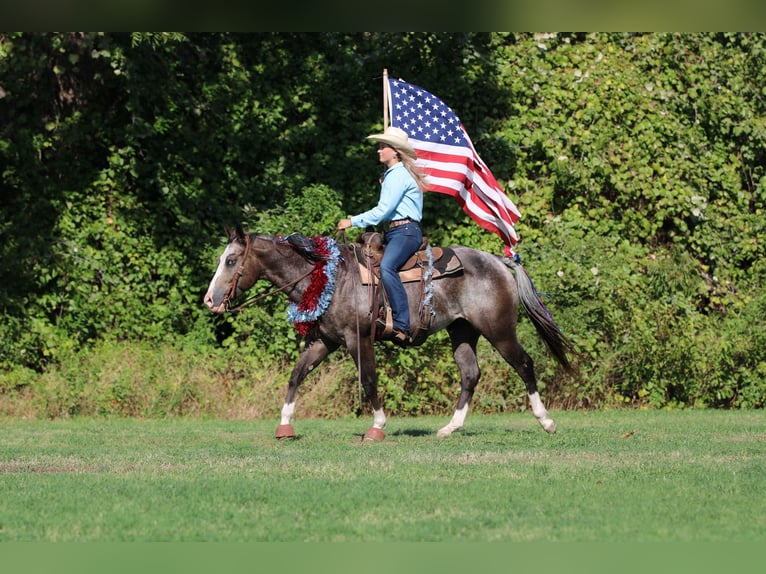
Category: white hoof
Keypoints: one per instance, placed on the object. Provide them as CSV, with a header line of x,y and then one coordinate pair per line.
x,y
445,431
549,425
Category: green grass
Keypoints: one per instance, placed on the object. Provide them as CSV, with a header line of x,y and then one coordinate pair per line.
x,y
680,476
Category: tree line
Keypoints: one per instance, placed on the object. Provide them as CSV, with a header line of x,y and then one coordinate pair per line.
x,y
637,161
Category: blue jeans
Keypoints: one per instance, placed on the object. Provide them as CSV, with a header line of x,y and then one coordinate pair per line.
x,y
401,242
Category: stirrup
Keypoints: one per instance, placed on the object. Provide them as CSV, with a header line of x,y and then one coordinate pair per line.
x,y
385,327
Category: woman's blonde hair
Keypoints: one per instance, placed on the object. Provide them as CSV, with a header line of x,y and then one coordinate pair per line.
x,y
417,175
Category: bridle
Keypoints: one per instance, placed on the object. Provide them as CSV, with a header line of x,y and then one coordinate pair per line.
x,y
231,292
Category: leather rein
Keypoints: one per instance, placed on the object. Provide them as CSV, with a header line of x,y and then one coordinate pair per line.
x,y
232,290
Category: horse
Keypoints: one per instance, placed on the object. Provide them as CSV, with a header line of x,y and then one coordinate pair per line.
x,y
481,300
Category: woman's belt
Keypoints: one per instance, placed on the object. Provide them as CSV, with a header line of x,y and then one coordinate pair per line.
x,y
398,222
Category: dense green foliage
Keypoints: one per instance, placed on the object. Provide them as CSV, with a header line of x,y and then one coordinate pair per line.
x,y
638,162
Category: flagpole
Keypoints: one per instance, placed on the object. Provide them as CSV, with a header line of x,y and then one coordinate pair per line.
x,y
385,98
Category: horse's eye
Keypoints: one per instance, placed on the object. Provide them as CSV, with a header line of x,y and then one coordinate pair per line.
x,y
231,262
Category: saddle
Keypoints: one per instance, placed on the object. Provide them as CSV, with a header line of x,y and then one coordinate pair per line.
x,y
425,265
443,259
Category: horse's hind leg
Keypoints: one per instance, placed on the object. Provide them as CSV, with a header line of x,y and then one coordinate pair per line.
x,y
314,353
517,357
464,339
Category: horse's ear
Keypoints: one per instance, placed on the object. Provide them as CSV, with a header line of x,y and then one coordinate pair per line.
x,y
240,233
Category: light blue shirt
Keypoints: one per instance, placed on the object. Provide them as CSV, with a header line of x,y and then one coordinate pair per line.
x,y
400,198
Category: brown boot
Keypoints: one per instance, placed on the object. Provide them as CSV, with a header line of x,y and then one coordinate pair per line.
x,y
400,338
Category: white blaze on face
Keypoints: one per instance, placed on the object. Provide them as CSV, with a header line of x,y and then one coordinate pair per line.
x,y
229,252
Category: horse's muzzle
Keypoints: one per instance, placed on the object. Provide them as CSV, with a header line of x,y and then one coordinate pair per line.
x,y
219,308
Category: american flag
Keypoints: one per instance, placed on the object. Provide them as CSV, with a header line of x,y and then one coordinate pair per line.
x,y
449,160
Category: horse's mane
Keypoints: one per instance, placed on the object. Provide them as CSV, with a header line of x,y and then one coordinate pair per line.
x,y
310,248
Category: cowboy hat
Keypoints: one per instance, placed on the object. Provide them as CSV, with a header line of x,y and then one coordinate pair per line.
x,y
397,139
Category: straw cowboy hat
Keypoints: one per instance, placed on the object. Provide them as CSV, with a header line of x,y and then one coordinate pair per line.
x,y
397,139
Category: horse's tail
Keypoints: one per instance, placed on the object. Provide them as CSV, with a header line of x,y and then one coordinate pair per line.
x,y
541,318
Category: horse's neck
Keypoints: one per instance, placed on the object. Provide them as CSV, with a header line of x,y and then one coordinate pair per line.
x,y
282,266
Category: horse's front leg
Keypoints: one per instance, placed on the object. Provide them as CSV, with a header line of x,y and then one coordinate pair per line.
x,y
314,353
363,352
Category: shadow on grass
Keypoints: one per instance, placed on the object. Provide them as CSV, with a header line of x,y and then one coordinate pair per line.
x,y
412,432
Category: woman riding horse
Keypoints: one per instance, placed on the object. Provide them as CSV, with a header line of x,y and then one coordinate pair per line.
x,y
400,204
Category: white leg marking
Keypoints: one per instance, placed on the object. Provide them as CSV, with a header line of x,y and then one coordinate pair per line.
x,y
378,419
538,409
457,422
288,410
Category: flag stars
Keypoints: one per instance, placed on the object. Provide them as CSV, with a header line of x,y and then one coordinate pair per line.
x,y
425,116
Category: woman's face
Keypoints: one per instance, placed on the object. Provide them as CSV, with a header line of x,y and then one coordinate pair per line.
x,y
386,154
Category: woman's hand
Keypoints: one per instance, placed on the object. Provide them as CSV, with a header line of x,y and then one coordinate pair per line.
x,y
344,224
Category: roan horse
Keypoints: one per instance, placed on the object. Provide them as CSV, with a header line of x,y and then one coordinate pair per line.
x,y
482,300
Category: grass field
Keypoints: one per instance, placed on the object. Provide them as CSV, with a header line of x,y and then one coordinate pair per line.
x,y
618,476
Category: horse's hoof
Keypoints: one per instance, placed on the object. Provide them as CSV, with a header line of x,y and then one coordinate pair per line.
x,y
549,425
285,431
374,433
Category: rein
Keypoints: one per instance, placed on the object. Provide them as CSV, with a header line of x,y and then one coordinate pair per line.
x,y
253,300
358,334
232,290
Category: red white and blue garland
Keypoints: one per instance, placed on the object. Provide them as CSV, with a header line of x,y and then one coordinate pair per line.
x,y
318,295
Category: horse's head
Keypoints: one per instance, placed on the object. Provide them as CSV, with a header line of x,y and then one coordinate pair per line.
x,y
234,275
